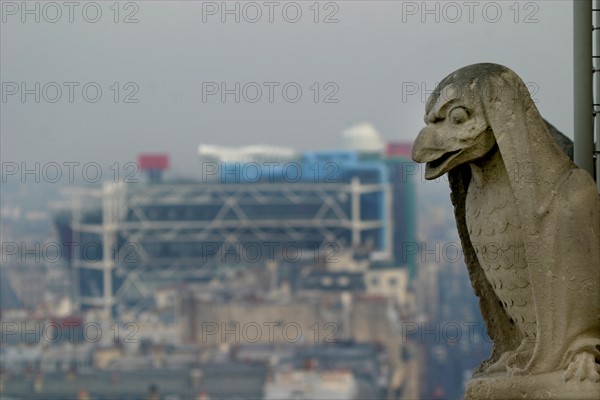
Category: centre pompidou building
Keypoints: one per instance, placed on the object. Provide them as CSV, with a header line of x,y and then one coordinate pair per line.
x,y
308,208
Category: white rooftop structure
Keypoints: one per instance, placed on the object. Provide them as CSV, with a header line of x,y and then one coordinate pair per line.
x,y
363,138
312,384
256,153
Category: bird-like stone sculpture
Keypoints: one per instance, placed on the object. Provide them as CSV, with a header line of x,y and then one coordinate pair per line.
x,y
529,223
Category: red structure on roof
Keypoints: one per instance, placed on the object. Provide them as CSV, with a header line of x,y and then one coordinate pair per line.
x,y
153,161
399,149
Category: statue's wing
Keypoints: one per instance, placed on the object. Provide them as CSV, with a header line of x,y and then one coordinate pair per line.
x,y
564,142
558,207
499,328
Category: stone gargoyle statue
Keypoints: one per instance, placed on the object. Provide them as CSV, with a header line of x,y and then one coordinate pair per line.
x,y
529,223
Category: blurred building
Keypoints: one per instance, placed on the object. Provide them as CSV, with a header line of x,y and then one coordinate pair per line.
x,y
402,174
311,384
251,205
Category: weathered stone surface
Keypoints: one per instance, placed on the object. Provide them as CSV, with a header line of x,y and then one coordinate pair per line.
x,y
529,223
551,386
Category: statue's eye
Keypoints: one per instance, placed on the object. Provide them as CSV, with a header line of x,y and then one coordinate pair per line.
x,y
458,115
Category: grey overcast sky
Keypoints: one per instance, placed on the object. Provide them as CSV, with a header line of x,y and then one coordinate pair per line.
x,y
371,60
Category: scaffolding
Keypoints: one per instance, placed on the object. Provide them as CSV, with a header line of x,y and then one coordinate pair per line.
x,y
147,235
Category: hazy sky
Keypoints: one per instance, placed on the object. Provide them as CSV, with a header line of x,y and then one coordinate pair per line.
x,y
367,61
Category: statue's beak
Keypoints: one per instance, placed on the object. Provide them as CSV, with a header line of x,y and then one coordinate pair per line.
x,y
427,149
421,148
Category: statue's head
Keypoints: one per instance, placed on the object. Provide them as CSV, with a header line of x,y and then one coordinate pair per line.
x,y
457,130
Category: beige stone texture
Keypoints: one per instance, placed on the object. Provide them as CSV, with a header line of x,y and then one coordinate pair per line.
x,y
529,222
